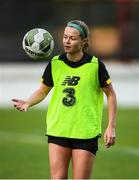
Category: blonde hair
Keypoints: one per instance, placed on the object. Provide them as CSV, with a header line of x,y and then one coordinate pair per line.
x,y
85,30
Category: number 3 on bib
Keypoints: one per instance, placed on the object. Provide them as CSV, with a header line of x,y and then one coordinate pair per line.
x,y
70,99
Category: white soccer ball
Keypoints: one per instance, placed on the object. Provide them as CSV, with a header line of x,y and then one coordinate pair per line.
x,y
38,43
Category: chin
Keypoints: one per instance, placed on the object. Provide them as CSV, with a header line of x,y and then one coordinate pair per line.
x,y
68,51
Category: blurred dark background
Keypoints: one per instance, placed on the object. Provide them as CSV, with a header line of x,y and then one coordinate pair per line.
x,y
114,25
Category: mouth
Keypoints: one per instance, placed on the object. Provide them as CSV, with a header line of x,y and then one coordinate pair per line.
x,y
67,47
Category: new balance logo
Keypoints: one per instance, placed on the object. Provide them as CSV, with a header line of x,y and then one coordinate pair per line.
x,y
71,81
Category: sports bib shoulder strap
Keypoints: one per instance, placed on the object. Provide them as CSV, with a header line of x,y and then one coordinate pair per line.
x,y
55,58
94,59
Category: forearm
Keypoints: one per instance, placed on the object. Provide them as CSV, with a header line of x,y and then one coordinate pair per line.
x,y
35,98
109,135
38,95
112,107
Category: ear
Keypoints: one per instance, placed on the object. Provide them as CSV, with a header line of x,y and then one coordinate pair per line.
x,y
85,40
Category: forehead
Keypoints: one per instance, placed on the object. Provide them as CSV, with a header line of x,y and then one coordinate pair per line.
x,y
70,31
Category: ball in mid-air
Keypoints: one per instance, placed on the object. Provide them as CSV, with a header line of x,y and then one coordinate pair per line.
x,y
38,43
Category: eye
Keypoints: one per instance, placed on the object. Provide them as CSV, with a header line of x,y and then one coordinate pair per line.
x,y
65,37
73,38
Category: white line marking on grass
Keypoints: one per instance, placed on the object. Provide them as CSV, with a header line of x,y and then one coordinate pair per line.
x,y
42,140
23,138
125,150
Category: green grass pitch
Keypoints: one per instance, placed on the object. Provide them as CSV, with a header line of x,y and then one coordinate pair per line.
x,y
24,149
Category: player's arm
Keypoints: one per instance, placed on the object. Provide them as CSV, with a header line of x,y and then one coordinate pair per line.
x,y
106,85
39,94
35,98
109,135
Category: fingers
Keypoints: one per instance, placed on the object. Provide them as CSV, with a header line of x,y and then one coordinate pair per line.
x,y
15,100
109,137
20,108
19,105
16,103
23,109
109,141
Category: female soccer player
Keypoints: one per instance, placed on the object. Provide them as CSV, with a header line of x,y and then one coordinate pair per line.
x,y
75,110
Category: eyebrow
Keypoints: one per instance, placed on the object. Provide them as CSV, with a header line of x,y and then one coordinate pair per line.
x,y
71,36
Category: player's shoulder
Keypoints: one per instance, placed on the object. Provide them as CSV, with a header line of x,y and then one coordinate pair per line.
x,y
94,59
56,57
60,57
101,63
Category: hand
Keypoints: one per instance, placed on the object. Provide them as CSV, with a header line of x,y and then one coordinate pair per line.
x,y
109,137
20,104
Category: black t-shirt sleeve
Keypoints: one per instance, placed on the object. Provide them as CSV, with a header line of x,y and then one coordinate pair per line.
x,y
47,76
104,77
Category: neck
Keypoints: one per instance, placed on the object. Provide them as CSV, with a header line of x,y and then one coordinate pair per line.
x,y
75,57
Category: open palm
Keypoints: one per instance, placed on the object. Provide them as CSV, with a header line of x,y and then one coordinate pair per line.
x,y
20,104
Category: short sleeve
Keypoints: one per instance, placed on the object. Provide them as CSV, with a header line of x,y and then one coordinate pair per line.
x,y
104,77
47,76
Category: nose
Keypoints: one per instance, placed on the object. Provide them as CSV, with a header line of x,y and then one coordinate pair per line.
x,y
68,40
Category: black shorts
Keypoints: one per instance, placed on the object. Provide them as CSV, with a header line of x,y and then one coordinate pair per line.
x,y
90,145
